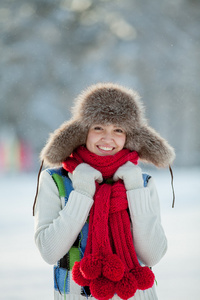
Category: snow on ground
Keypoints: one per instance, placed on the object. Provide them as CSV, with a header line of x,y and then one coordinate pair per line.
x,y
25,276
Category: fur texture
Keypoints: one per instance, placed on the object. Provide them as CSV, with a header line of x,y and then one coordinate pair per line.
x,y
108,103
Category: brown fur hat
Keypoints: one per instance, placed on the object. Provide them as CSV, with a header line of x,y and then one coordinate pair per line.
x,y
108,103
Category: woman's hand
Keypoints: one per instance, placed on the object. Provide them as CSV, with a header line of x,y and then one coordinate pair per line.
x,y
83,179
131,175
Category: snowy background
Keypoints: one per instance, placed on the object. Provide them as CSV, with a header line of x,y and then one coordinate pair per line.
x,y
24,275
51,50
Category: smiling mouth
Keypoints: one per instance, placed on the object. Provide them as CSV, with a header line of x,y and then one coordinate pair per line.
x,y
104,148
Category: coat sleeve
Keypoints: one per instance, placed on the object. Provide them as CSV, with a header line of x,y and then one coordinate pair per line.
x,y
56,229
148,235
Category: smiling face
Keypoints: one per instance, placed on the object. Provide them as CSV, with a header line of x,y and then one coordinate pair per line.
x,y
105,139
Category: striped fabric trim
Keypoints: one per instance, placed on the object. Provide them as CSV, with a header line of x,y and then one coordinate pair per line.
x,y
63,282
62,182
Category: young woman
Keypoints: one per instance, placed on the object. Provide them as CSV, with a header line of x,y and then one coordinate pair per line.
x,y
97,217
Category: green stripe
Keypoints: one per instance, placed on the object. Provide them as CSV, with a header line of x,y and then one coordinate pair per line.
x,y
74,255
60,184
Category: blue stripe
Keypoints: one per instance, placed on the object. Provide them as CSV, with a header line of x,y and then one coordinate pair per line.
x,y
59,280
55,171
146,178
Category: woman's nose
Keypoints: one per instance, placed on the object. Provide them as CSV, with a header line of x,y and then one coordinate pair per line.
x,y
107,136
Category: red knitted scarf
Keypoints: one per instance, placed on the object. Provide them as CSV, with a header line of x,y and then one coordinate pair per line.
x,y
110,264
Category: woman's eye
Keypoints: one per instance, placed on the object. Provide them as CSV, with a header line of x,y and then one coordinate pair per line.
x,y
119,130
97,128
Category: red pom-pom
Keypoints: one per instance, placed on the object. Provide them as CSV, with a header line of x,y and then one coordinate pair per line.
x,y
77,275
102,288
144,276
126,287
113,267
91,266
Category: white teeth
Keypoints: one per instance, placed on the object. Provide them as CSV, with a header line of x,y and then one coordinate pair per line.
x,y
105,148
